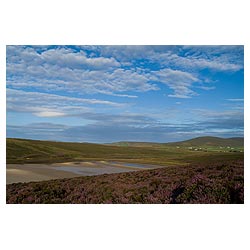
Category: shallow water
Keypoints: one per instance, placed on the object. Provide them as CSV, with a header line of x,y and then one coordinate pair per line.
x,y
101,167
75,170
38,172
136,165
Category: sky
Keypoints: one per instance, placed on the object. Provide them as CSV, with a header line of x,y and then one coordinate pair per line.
x,y
105,94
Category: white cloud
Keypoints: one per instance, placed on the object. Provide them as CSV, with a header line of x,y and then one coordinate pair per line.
x,y
126,53
63,69
215,64
64,57
206,87
214,114
49,114
235,100
105,70
180,82
180,96
119,95
52,98
70,59
193,58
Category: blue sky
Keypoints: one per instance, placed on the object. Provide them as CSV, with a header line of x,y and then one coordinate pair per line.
x,y
116,93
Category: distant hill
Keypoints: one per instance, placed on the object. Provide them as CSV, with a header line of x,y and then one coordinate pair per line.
x,y
136,144
195,142
212,141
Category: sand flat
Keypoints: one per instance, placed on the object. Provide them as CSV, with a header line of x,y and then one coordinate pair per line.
x,y
38,172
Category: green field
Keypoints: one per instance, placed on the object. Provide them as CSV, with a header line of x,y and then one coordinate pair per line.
x,y
22,151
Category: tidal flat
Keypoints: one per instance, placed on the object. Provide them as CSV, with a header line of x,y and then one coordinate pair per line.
x,y
40,172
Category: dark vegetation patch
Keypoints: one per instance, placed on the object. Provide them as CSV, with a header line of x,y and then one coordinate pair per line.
x,y
216,182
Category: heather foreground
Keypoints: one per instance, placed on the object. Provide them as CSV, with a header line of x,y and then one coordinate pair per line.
x,y
221,182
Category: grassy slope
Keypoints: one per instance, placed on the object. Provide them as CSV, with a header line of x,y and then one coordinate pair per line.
x,y
204,183
212,141
198,142
32,151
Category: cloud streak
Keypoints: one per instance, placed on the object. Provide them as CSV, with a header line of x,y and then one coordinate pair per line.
x,y
51,105
235,100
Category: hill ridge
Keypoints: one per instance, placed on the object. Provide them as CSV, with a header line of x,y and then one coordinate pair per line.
x,y
201,140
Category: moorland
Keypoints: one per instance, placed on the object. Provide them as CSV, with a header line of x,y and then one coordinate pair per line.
x,y
200,170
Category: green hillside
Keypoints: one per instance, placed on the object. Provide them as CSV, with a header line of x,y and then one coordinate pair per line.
x,y
136,144
212,141
205,141
34,151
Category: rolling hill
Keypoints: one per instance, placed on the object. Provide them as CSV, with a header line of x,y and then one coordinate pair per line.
x,y
136,144
212,141
195,142
34,151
